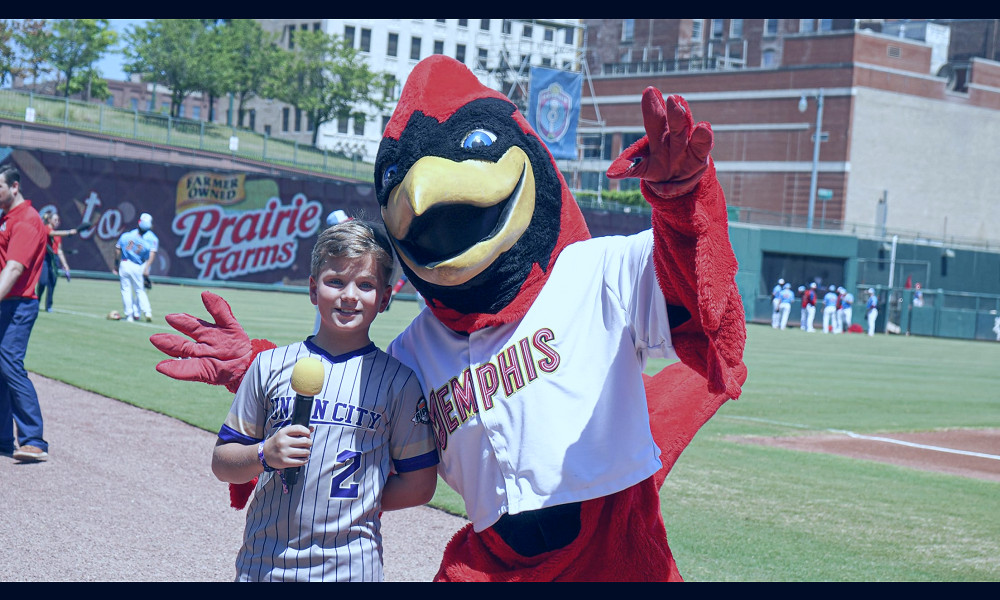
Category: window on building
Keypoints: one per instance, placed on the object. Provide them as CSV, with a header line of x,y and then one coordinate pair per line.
x,y
366,40
570,35
342,123
309,122
736,28
267,131
546,61
770,27
359,125
826,24
253,118
385,122
110,101
717,28
460,52
506,28
134,102
484,24
628,30
291,37
415,48
697,30
442,21
526,31
438,47
463,22
165,107
807,25
768,58
298,119
196,113
316,26
549,34
304,27
482,54
525,61
349,35
393,44
284,118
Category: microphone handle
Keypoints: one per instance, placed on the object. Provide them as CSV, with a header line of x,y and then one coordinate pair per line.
x,y
300,416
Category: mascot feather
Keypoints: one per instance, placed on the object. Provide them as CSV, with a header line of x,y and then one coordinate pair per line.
x,y
532,348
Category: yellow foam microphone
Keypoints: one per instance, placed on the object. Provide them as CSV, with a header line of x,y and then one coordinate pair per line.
x,y
307,381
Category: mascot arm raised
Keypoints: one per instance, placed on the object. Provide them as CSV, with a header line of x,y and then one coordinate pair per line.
x,y
694,259
217,353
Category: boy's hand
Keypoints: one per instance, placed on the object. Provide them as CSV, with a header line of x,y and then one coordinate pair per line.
x,y
288,447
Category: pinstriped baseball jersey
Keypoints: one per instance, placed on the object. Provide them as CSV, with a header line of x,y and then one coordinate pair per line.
x,y
369,416
550,409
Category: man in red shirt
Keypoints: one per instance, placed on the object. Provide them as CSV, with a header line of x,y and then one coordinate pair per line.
x,y
22,250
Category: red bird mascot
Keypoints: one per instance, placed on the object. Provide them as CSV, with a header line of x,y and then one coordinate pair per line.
x,y
533,348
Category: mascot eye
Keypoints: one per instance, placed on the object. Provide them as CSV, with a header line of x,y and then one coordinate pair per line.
x,y
479,138
636,161
388,174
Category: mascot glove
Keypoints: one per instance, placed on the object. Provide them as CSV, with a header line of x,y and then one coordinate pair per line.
x,y
219,353
671,158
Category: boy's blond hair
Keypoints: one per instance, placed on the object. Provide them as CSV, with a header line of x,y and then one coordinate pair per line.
x,y
352,239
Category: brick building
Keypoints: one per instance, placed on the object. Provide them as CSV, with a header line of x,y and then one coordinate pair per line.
x,y
909,131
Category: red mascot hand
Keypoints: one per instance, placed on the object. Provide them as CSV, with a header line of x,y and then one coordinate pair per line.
x,y
673,155
220,353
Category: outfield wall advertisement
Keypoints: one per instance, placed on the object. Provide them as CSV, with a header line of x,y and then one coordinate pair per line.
x,y
228,226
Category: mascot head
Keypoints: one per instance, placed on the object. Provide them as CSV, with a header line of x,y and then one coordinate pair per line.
x,y
471,197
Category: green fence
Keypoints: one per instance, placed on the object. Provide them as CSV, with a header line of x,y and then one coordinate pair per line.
x,y
184,133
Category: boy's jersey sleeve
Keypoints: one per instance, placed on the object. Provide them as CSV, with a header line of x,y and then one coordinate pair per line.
x,y
411,441
247,418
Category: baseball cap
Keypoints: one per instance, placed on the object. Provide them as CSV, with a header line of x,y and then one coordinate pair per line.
x,y
146,220
812,285
871,291
335,217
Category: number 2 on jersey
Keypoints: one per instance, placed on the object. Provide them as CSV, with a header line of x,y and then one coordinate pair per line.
x,y
353,462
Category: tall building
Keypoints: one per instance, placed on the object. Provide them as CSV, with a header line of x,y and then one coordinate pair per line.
x,y
498,51
908,116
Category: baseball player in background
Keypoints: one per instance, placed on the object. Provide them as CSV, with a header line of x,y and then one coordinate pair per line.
x,y
785,303
830,310
369,418
871,310
134,254
846,310
809,307
776,304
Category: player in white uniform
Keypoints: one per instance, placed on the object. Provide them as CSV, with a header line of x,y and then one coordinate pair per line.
x,y
134,254
829,310
785,297
507,402
847,310
775,304
871,310
369,418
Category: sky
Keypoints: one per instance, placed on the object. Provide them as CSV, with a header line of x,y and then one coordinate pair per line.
x,y
111,65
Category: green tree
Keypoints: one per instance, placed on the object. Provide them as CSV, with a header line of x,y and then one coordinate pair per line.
x,y
8,63
74,46
253,59
175,53
327,79
33,38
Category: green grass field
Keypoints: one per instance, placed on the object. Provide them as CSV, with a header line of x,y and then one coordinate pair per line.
x,y
734,512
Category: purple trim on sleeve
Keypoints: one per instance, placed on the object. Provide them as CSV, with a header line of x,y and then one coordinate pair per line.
x,y
417,462
227,434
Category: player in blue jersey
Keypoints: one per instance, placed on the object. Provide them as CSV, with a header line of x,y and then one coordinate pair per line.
x,y
776,304
134,254
871,310
830,310
369,446
785,297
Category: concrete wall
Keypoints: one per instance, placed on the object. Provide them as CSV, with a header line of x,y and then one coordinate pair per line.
x,y
937,159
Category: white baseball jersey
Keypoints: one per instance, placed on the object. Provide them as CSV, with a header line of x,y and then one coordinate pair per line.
x,y
370,411
550,409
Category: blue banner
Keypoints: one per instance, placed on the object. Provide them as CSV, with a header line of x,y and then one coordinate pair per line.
x,y
554,109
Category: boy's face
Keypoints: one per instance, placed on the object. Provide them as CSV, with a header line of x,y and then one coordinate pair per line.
x,y
349,293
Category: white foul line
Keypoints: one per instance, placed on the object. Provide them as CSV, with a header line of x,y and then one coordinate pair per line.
x,y
872,438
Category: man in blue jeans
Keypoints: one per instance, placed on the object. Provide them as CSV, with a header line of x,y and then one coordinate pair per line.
x,y
22,251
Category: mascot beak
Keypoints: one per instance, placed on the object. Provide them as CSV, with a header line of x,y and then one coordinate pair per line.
x,y
451,220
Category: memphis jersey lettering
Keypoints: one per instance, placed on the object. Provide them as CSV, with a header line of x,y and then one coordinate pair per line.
x,y
369,418
507,401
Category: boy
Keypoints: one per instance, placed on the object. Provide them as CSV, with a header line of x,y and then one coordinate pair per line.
x,y
370,410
